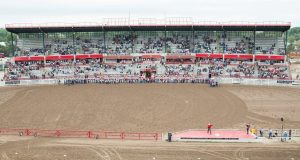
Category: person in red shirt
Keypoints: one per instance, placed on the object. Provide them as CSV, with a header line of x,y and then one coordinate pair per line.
x,y
209,126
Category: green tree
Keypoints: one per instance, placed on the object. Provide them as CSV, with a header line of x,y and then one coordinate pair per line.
x,y
5,37
293,37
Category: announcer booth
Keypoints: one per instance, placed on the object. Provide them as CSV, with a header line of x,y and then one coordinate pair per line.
x,y
149,58
88,58
206,58
118,59
180,59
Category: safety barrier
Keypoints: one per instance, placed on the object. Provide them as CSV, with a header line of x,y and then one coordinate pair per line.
x,y
160,79
82,134
31,82
277,132
261,82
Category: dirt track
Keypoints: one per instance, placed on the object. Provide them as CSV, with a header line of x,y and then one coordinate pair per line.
x,y
23,148
146,108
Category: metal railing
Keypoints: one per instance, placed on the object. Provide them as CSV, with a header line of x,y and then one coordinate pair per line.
x,y
126,21
277,133
157,79
81,134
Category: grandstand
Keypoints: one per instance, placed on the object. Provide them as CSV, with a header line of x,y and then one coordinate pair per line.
x,y
150,49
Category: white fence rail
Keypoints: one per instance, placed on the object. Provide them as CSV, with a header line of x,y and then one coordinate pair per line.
x,y
242,81
30,82
260,82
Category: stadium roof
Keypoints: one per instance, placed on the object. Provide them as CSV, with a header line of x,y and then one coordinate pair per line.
x,y
148,25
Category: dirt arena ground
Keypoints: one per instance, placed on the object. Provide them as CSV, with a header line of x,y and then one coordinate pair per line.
x,y
28,148
145,108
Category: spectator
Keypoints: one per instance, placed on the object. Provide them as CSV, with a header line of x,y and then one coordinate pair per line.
x,y
209,127
247,128
270,133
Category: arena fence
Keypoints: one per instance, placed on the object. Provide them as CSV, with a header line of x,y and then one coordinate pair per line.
x,y
262,82
31,82
82,134
221,80
277,132
2,83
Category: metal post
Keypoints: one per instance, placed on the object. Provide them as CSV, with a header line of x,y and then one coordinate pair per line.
x,y
74,48
282,132
104,41
223,57
281,128
43,36
224,33
285,42
132,42
20,36
165,40
193,40
254,50
12,44
43,39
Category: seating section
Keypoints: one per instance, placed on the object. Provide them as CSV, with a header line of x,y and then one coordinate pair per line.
x,y
172,42
97,68
173,54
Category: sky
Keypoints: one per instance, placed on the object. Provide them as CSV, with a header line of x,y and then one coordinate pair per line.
x,y
74,11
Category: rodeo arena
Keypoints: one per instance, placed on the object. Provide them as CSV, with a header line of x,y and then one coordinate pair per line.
x,y
123,86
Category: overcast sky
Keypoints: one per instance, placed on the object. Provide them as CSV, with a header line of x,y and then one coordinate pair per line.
x,y
40,11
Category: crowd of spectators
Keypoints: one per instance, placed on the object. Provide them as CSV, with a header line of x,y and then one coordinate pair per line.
x,y
272,72
179,69
206,45
121,44
151,45
60,70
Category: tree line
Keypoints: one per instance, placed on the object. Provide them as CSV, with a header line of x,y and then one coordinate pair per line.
x,y
5,42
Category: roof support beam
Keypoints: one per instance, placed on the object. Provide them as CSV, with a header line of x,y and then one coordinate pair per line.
x,y
193,39
165,39
74,48
12,44
44,46
254,46
285,42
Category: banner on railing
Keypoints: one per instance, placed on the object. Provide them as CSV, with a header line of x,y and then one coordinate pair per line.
x,y
14,82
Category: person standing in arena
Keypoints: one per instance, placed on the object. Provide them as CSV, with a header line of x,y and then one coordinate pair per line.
x,y
261,132
247,128
209,126
270,133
